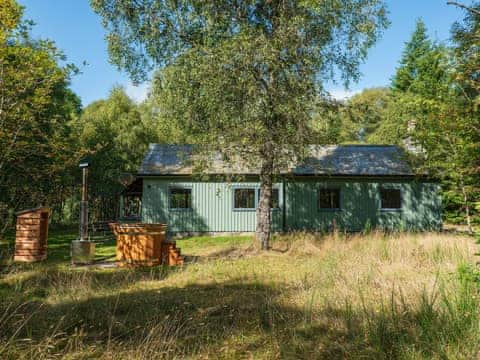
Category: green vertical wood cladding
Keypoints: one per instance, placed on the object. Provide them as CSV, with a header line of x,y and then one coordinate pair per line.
x,y
360,206
212,206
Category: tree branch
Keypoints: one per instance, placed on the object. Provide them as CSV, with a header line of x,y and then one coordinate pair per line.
x,y
472,10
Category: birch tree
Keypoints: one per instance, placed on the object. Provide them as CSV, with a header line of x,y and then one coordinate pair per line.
x,y
243,76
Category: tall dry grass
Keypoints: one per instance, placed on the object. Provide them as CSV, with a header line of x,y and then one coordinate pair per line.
x,y
374,295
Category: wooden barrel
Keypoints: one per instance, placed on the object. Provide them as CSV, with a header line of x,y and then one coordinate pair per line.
x,y
32,234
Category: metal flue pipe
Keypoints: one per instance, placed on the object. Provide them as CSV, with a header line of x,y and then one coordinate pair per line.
x,y
84,204
83,250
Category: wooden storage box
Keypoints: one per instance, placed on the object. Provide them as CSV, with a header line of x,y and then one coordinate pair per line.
x,y
32,234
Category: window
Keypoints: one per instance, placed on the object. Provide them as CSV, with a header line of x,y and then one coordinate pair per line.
x,y
391,198
244,198
275,198
180,198
249,198
329,199
132,205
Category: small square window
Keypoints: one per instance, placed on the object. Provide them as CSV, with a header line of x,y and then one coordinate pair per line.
x,y
329,199
180,198
132,205
391,198
275,198
244,198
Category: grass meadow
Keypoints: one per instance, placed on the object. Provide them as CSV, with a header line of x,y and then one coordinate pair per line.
x,y
337,296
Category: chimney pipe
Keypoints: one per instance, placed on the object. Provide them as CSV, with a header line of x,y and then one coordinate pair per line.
x,y
84,204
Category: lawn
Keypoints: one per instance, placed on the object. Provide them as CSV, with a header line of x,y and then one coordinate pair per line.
x,y
401,296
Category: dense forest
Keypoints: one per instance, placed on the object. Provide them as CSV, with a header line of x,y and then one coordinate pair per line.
x,y
430,107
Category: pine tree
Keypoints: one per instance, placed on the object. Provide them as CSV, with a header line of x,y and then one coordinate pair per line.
x,y
427,90
415,49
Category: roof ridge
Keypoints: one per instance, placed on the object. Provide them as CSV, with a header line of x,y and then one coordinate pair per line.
x,y
357,145
324,145
370,145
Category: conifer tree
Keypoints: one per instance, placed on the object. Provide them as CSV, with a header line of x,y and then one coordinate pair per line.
x,y
418,45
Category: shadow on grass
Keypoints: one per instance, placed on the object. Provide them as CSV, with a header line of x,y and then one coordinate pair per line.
x,y
113,311
46,281
202,319
238,319
59,243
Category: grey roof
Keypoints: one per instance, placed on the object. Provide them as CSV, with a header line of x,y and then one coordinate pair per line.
x,y
332,160
368,160
166,159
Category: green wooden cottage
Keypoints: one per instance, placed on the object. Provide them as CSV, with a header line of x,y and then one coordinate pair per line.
x,y
353,186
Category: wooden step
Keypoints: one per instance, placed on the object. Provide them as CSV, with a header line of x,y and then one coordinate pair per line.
x,y
171,255
169,246
174,255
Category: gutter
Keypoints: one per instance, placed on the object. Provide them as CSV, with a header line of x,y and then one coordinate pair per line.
x,y
422,177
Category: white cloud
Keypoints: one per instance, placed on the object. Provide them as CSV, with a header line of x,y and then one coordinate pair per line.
x,y
137,93
342,93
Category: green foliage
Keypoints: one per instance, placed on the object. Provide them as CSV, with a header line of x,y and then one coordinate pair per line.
x,y
421,80
328,123
155,33
466,36
166,130
114,135
36,106
431,113
242,77
410,64
358,119
365,113
114,138
447,125
10,17
431,109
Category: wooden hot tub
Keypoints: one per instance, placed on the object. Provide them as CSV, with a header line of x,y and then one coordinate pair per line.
x,y
145,244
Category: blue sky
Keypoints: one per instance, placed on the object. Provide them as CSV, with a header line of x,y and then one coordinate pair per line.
x,y
78,32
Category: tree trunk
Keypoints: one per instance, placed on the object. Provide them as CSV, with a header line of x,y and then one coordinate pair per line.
x,y
262,233
467,210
